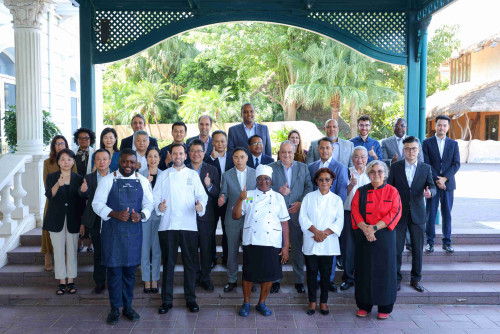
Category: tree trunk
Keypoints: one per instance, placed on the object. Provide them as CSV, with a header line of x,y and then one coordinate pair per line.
x,y
158,126
353,117
335,104
290,111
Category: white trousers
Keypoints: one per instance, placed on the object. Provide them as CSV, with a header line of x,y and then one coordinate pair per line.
x,y
65,249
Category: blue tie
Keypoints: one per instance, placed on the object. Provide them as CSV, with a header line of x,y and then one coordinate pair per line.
x,y
256,162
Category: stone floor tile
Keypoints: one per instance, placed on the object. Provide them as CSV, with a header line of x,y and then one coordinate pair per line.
x,y
456,324
141,331
482,321
384,324
172,331
155,324
267,331
232,331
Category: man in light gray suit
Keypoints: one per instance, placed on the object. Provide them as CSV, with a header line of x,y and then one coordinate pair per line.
x,y
392,147
233,182
342,148
292,180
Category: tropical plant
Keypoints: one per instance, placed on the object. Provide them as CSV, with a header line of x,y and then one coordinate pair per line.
x,y
279,136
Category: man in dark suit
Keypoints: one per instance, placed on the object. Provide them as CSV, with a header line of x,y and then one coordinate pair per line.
x,y
90,220
413,180
179,130
442,154
239,134
204,125
206,223
257,157
138,123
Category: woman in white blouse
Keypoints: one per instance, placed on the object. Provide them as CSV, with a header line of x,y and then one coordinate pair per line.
x,y
321,219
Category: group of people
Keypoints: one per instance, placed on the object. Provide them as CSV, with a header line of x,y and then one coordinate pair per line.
x,y
336,204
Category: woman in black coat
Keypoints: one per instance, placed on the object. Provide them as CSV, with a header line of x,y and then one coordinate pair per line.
x,y
62,219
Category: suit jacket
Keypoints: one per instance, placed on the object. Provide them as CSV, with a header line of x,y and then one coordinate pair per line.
x,y
264,160
237,136
339,185
447,166
301,181
66,204
90,218
216,163
213,194
209,149
390,149
345,155
127,142
412,198
163,155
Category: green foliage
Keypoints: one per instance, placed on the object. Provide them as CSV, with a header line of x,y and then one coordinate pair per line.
x,y
278,136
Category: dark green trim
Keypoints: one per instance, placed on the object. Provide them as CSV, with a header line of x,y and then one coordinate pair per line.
x,y
87,78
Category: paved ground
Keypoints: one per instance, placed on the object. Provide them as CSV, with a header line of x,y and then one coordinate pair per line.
x,y
410,319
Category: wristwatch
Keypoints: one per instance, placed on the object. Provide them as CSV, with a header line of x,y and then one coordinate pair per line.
x,y
143,216
375,228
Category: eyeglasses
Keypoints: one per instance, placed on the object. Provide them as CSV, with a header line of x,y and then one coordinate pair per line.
x,y
410,149
328,179
263,179
256,144
60,144
379,172
83,138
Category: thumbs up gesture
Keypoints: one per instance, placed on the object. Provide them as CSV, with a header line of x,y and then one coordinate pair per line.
x,y
353,181
284,190
84,186
243,194
207,181
393,159
214,154
168,159
372,152
198,207
136,216
163,206
123,216
221,200
150,177
427,192
60,182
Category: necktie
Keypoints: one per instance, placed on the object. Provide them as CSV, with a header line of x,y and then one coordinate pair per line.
x,y
399,147
256,162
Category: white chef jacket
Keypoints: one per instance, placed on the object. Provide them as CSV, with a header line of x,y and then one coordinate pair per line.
x,y
263,216
104,187
181,189
324,212
144,162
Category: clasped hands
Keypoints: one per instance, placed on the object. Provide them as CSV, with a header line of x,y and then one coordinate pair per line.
x,y
368,231
441,182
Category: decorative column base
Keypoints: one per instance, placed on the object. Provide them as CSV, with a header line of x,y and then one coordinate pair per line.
x,y
35,189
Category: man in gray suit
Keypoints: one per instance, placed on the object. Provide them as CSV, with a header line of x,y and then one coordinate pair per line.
x,y
292,180
233,182
342,148
392,147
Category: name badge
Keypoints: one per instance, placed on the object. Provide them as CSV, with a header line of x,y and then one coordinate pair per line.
x,y
189,181
249,200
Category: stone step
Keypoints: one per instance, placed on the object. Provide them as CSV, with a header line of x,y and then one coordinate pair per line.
x,y
477,293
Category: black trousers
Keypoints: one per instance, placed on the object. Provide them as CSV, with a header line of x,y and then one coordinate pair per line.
x,y
99,270
323,265
381,308
169,244
347,248
206,242
417,235
220,213
121,282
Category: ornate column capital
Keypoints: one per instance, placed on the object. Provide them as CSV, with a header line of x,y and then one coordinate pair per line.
x,y
26,13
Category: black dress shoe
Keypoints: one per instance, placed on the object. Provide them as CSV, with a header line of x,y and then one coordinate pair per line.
x,y
408,248
131,314
346,286
300,288
208,286
429,248
193,307
398,288
311,312
154,290
324,312
275,287
417,286
448,249
164,308
340,264
113,317
98,290
230,287
332,287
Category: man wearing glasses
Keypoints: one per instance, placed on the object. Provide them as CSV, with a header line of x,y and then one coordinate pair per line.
x,y
256,148
392,147
372,145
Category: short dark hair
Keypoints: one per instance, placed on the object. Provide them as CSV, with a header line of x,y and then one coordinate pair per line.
x,y
254,136
239,148
410,140
197,142
65,151
84,130
179,124
101,150
153,148
364,118
105,132
206,116
323,170
219,132
138,115
446,118
246,104
325,139
171,149
127,151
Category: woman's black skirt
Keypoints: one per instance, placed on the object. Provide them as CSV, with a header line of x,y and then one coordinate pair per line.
x,y
261,264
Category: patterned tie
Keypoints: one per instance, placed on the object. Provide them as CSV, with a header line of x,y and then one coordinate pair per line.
x,y
256,162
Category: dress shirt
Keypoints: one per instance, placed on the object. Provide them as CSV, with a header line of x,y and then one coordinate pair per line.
x,y
180,189
288,174
327,162
99,177
99,204
222,163
410,171
441,143
362,180
249,132
143,161
242,177
133,142
264,213
399,141
336,150
312,212
255,160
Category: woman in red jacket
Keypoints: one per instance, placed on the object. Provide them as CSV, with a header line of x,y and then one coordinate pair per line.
x,y
375,211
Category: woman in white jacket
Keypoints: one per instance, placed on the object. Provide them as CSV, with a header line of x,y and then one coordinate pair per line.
x,y
321,219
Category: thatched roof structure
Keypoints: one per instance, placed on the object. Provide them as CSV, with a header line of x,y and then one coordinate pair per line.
x,y
462,98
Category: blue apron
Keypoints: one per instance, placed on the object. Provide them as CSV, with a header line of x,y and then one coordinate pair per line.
x,y
122,241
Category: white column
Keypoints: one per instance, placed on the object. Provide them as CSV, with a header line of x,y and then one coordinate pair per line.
x,y
27,14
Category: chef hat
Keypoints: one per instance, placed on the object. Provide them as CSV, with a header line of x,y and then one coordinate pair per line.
x,y
264,170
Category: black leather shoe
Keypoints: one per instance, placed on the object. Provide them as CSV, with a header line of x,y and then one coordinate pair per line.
x,y
346,286
398,286
230,287
113,317
98,290
417,286
164,308
448,249
207,286
429,248
324,312
275,287
332,287
311,312
300,288
193,307
408,248
131,314
340,264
